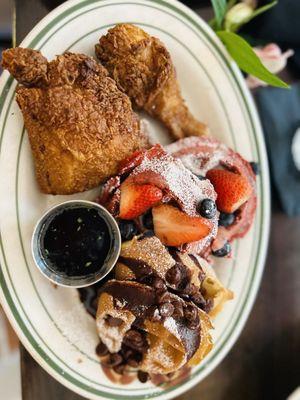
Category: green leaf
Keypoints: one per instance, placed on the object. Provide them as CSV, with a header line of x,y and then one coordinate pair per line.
x,y
247,60
213,24
219,7
262,9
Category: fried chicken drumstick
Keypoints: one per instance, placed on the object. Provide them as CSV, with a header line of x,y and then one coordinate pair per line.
x,y
80,125
143,69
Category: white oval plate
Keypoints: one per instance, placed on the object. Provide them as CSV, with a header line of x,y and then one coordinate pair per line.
x,y
52,323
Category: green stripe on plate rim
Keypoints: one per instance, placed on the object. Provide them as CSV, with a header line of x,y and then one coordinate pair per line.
x,y
4,94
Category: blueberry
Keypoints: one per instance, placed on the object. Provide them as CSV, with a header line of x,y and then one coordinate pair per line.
x,y
201,177
255,167
226,219
128,229
207,208
148,220
224,251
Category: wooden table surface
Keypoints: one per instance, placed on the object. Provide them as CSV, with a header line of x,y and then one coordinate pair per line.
x,y
265,361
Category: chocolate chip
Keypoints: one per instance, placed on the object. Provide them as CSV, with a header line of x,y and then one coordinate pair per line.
x,y
115,359
133,358
113,321
178,309
101,350
134,340
185,285
146,280
159,285
119,369
173,275
127,353
133,363
142,376
208,305
191,316
198,299
190,289
166,309
163,297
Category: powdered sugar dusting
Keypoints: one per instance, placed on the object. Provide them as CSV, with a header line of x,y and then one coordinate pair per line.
x,y
182,185
171,326
152,252
186,188
75,326
199,155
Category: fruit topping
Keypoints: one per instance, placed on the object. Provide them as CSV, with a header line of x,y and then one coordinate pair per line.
x,y
207,208
128,229
137,199
129,163
174,228
232,189
226,219
148,220
224,251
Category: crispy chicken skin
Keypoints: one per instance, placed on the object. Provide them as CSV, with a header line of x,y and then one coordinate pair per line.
x,y
80,125
143,69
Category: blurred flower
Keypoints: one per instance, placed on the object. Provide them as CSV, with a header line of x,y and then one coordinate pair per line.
x,y
273,59
251,3
238,15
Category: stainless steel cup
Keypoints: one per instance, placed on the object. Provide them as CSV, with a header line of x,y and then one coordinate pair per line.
x,y
61,278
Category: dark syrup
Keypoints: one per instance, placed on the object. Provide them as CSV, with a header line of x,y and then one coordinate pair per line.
x,y
76,241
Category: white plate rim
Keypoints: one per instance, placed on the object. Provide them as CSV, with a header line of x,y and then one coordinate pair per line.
x,y
190,16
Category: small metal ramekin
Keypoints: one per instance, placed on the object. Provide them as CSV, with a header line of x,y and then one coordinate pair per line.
x,y
60,278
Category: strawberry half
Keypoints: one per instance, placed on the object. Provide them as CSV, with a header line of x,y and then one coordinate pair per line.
x,y
232,189
173,227
136,199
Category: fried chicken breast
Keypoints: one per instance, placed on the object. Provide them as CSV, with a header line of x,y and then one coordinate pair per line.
x,y
80,125
143,69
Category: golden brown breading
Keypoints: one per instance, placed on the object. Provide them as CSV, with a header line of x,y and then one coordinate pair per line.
x,y
79,124
143,69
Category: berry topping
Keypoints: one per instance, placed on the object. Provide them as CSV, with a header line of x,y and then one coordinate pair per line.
x,y
148,220
207,208
226,219
136,199
174,228
224,251
128,229
232,189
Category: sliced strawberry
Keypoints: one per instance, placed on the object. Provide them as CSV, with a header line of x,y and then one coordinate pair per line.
x,y
232,189
173,227
136,158
136,199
